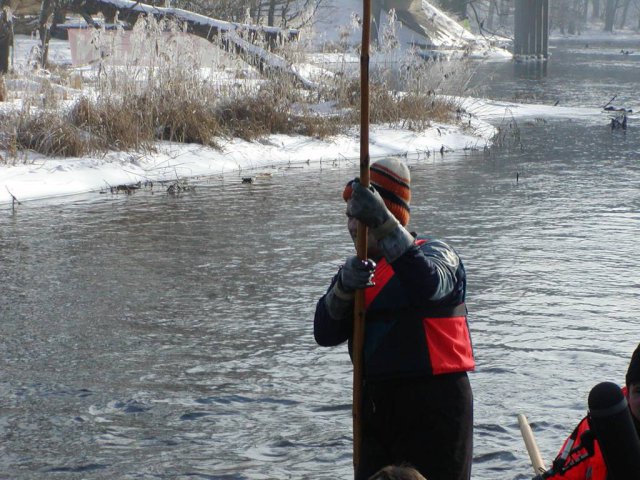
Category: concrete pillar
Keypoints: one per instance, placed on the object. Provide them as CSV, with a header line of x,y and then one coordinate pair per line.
x,y
531,29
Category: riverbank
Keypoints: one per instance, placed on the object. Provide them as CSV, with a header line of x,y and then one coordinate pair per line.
x,y
35,177
41,177
26,175
30,176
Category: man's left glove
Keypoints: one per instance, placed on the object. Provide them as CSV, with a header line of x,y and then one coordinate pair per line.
x,y
354,274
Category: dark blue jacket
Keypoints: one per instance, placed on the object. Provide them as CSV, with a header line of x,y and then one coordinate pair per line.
x,y
421,292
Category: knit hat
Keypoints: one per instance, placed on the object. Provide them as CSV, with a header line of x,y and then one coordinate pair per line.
x,y
633,372
391,179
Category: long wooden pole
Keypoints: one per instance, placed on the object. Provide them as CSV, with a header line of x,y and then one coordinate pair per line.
x,y
361,237
532,447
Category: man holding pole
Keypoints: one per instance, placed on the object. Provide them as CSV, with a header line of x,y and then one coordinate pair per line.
x,y
417,405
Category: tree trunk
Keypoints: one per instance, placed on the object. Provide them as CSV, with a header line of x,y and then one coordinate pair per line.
x,y
574,18
610,15
271,15
236,38
585,11
255,10
6,40
491,14
503,13
625,11
45,12
596,9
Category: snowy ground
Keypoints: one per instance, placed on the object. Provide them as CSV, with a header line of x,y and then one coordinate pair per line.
x,y
33,177
47,177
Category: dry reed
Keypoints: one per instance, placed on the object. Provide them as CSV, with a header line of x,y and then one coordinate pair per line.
x,y
166,96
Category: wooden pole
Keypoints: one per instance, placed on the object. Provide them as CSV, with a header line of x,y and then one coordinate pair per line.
x,y
532,447
361,237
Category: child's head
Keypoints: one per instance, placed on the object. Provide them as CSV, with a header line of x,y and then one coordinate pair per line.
x,y
633,383
397,473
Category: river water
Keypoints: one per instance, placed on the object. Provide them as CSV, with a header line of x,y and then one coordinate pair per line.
x,y
154,336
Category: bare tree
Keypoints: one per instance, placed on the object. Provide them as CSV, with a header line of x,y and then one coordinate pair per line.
x,y
299,13
625,12
280,13
6,37
611,7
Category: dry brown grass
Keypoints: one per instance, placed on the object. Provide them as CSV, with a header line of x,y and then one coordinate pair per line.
x,y
48,134
412,110
112,124
251,117
135,122
169,99
320,127
186,121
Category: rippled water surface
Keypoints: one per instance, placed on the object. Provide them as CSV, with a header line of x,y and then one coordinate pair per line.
x,y
150,336
580,72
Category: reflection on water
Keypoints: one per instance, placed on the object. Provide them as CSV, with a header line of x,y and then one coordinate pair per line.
x,y
578,73
152,336
530,70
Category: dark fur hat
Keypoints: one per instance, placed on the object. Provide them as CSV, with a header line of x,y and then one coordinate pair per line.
x,y
633,372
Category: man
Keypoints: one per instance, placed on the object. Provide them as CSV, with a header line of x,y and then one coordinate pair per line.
x,y
417,400
580,457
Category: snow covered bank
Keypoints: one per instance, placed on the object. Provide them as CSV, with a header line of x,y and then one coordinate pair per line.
x,y
495,111
40,177
32,177
28,176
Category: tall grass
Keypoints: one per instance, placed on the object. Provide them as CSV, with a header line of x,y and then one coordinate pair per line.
x,y
165,89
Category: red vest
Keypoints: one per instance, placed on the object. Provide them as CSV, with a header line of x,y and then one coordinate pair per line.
x,y
407,341
592,467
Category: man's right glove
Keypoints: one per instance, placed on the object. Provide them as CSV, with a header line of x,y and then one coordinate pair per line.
x,y
367,205
353,275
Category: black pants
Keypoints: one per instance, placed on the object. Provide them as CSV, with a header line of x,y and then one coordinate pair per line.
x,y
426,422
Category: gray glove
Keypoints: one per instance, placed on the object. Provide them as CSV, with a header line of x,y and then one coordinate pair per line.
x,y
354,274
367,206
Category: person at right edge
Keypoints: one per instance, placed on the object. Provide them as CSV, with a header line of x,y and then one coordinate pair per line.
x,y
580,457
417,399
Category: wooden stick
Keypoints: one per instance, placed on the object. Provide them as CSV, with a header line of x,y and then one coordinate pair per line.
x,y
532,447
361,237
